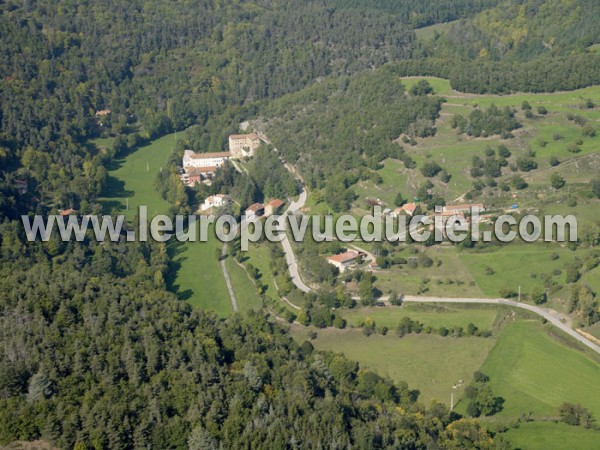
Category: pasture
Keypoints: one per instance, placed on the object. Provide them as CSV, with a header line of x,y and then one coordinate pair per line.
x,y
131,179
546,435
195,274
435,315
536,373
431,364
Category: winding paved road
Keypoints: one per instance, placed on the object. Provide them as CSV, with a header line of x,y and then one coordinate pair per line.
x,y
297,205
290,258
546,314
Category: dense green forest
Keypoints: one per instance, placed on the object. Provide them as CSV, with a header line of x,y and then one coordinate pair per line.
x,y
96,354
339,132
518,46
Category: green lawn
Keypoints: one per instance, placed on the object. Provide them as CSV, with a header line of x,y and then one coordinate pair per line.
x,y
551,435
195,273
247,297
535,373
429,363
448,316
131,178
197,277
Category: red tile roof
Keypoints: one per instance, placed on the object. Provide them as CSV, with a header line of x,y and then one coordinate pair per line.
x,y
276,203
256,207
465,207
410,207
343,257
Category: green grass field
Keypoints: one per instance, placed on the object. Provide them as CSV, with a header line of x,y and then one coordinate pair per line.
x,y
259,256
427,33
247,298
448,316
516,265
454,152
429,363
450,279
551,435
535,373
131,179
195,274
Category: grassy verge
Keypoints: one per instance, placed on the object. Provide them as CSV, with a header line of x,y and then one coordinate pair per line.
x,y
437,316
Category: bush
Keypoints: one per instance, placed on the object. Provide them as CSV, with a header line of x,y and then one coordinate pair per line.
x,y
430,169
576,415
518,182
595,186
526,164
538,296
557,181
554,161
504,152
589,131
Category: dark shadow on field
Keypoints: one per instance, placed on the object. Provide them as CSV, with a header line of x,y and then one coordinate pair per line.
x,y
109,205
175,250
115,188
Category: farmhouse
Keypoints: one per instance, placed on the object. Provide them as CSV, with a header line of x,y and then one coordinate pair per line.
x,y
241,145
446,217
408,208
255,211
273,206
467,208
214,201
344,260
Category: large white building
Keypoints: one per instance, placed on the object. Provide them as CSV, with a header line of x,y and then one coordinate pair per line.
x,y
241,145
200,160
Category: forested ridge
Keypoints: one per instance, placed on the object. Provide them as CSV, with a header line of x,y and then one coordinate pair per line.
x,y
517,46
96,354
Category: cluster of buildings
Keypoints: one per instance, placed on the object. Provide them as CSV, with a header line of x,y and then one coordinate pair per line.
x,y
201,167
252,212
449,211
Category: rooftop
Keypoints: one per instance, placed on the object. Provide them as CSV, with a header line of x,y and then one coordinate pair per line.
x,y
256,207
343,257
244,136
194,155
276,203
